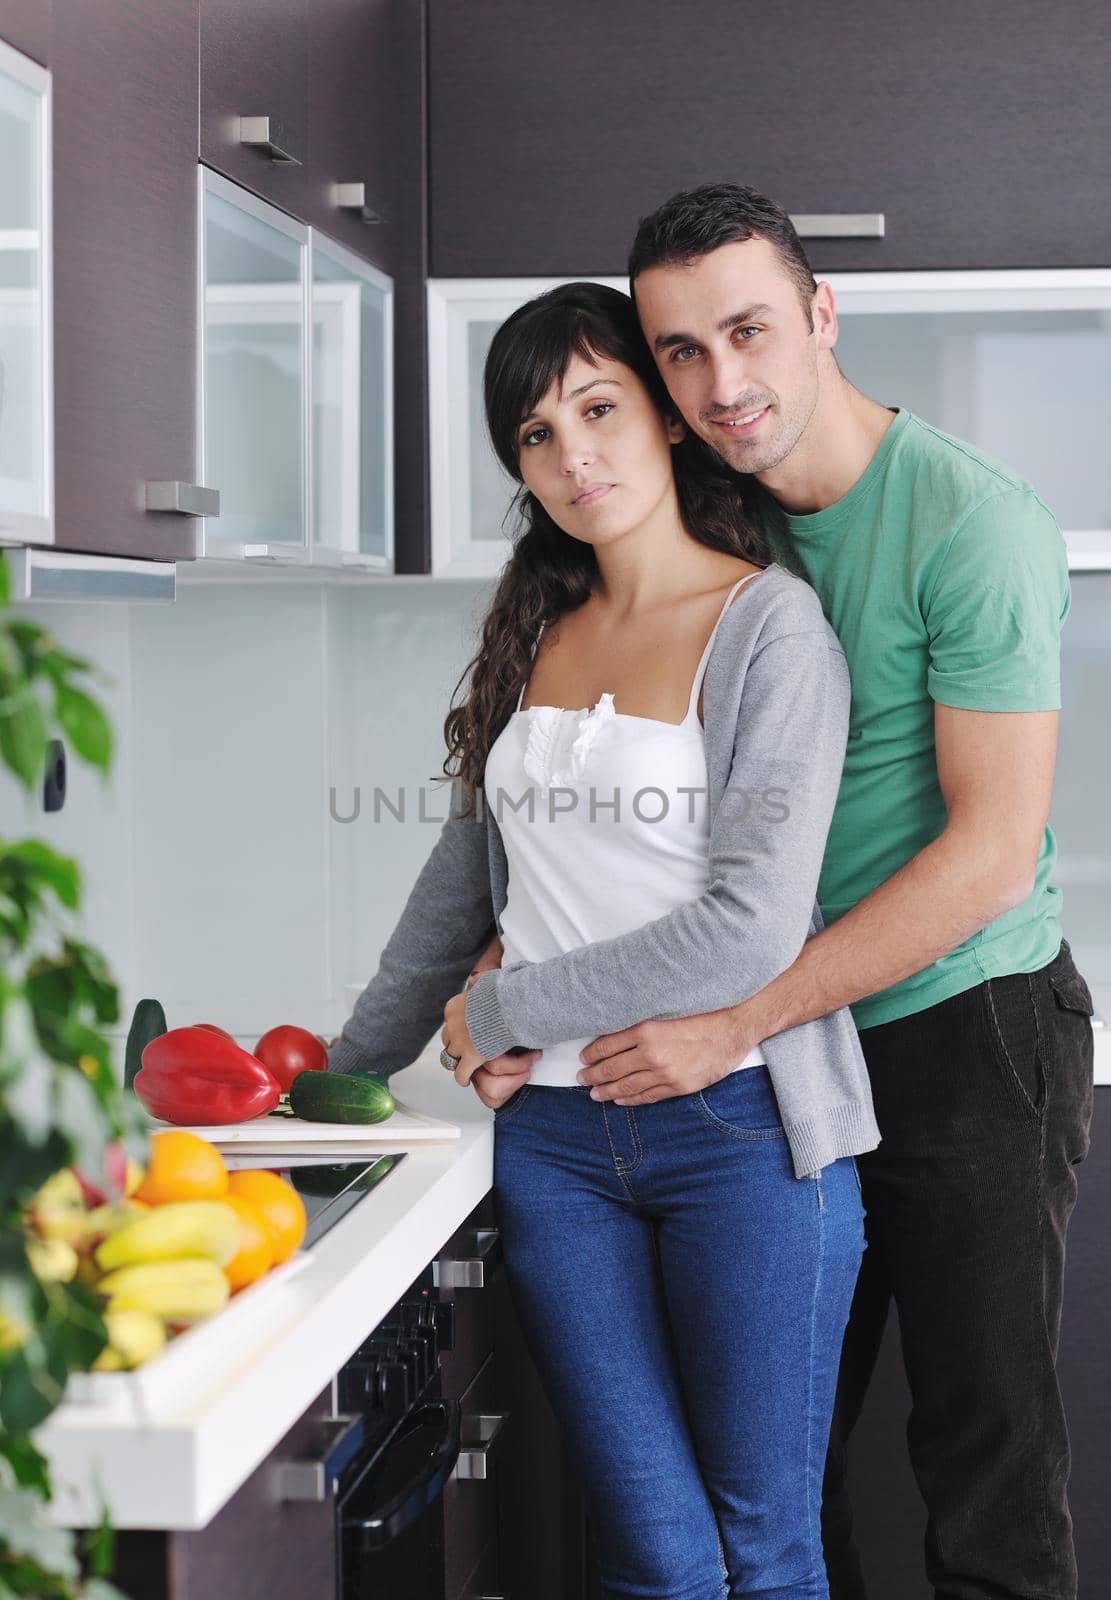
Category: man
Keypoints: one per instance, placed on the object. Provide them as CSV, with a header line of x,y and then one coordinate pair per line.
x,y
945,579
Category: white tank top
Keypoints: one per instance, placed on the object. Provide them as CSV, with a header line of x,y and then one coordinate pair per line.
x,y
574,878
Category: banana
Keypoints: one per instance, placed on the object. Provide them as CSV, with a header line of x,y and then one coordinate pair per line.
x,y
183,1228
133,1337
182,1290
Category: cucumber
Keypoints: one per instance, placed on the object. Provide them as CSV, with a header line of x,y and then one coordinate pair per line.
x,y
340,1097
149,1022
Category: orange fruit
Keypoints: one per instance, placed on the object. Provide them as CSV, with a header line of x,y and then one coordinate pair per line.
x,y
280,1204
182,1167
255,1255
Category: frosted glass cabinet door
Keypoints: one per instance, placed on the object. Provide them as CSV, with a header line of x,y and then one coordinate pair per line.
x,y
352,409
26,398
472,495
1017,363
1080,813
253,374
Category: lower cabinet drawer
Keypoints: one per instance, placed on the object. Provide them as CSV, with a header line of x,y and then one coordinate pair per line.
x,y
471,1503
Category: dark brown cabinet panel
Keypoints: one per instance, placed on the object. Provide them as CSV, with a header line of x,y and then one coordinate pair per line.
x,y
254,63
25,25
125,261
354,86
981,134
259,1547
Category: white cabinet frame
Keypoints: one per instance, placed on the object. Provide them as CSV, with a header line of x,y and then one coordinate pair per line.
x,y
276,303
334,299
24,527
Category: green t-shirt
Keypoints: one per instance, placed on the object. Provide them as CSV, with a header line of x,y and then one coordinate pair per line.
x,y
945,579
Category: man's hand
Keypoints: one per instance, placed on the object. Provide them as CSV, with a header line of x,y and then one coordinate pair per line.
x,y
657,1060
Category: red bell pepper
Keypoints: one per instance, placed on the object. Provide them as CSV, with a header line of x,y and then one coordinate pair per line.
x,y
192,1075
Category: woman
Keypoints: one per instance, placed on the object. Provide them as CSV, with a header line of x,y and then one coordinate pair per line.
x,y
645,768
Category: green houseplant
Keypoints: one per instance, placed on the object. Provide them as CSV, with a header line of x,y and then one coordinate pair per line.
x,y
60,1105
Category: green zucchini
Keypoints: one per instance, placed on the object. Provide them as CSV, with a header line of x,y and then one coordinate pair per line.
x,y
149,1022
340,1097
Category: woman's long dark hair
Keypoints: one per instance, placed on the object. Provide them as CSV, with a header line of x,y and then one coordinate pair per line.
x,y
550,573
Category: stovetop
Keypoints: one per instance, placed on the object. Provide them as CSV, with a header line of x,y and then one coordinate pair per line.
x,y
329,1189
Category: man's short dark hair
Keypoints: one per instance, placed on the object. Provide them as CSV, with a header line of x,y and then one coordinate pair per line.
x,y
696,221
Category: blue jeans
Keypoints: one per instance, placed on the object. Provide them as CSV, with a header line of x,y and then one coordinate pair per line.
x,y
684,1298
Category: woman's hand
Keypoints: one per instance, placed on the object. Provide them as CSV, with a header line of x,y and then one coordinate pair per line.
x,y
457,1039
494,1081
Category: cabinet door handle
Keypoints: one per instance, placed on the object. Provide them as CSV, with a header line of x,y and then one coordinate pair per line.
x,y
352,197
191,499
839,224
272,138
470,1272
474,1452
313,1478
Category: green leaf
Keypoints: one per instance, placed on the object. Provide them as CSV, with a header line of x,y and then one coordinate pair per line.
x,y
99,1548
30,1088
85,723
30,1389
26,1532
27,1464
22,732
59,873
26,1167
5,581
78,1118
60,666
33,645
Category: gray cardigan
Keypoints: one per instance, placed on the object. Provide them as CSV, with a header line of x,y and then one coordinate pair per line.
x,y
776,702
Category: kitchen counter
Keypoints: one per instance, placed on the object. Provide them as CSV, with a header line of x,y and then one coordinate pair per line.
x,y
172,1456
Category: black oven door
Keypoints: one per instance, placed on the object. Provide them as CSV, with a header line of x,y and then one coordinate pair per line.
x,y
389,1515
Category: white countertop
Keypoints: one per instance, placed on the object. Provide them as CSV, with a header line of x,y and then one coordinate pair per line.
x,y
171,1455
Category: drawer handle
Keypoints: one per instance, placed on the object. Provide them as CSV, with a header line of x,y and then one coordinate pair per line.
x,y
191,499
352,197
272,138
470,1272
314,1478
839,224
474,1452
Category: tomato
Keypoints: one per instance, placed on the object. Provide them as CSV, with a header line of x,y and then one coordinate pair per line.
x,y
285,1051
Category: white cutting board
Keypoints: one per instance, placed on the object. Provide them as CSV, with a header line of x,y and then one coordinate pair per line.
x,y
263,1135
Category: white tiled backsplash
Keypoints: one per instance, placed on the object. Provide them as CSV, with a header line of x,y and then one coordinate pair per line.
x,y
215,878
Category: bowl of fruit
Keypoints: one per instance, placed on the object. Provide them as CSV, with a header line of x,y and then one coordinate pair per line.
x,y
165,1247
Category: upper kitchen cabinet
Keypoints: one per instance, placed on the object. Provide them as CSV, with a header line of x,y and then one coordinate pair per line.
x,y
125,261
25,26
26,366
355,80
253,373
351,437
964,349
254,120
978,133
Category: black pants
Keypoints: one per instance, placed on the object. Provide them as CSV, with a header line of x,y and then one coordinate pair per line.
x,y
984,1102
